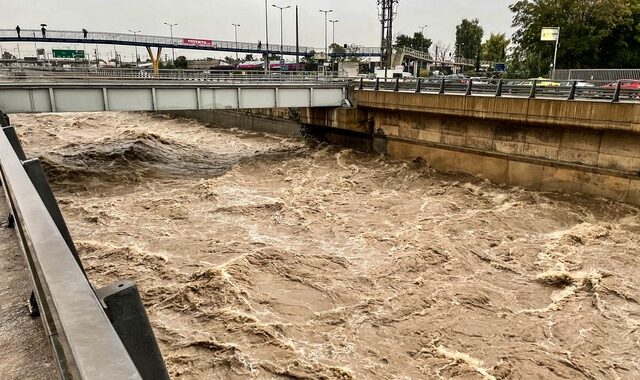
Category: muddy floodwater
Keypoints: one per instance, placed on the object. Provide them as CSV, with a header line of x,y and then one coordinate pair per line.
x,y
268,257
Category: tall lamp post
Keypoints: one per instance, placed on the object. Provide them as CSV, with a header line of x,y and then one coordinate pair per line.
x,y
326,48
333,22
173,50
236,26
281,29
135,41
266,26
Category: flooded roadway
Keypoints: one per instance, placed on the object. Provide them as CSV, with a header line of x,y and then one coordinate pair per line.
x,y
265,257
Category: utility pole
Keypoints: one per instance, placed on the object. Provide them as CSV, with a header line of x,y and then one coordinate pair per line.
x,y
297,39
326,48
281,29
387,15
236,26
135,40
173,50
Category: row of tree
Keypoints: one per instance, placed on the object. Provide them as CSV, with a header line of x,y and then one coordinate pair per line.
x,y
593,34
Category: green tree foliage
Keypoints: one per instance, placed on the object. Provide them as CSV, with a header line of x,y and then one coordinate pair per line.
x,y
310,63
335,48
417,42
181,62
495,48
469,39
593,34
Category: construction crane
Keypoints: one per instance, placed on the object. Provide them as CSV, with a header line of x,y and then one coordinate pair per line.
x,y
387,11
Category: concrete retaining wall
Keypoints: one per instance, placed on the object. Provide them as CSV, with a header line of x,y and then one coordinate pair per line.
x,y
539,144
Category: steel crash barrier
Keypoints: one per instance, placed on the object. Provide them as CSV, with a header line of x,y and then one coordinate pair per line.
x,y
94,333
566,90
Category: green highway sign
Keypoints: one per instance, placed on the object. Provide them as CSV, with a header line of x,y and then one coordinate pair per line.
x,y
68,53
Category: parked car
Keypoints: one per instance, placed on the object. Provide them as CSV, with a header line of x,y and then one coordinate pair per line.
x,y
579,83
626,84
631,87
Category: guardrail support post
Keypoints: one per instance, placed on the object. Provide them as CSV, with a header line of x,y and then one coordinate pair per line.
x,y
442,84
396,88
499,89
532,94
126,312
10,132
469,87
616,94
4,119
361,84
419,86
572,92
377,87
38,177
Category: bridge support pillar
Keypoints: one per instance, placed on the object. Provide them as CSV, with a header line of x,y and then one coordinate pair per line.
x,y
155,60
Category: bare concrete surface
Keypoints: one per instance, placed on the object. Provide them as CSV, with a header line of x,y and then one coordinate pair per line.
x,y
24,349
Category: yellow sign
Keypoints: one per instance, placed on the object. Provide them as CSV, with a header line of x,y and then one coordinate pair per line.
x,y
550,34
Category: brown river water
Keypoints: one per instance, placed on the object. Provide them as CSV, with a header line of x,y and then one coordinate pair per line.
x,y
267,257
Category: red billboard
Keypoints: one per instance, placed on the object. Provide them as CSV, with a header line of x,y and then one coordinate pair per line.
x,y
197,42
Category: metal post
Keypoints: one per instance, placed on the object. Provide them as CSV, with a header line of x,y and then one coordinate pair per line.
x,y
419,86
442,85
396,88
126,312
37,176
236,26
572,92
297,38
532,95
616,94
173,50
326,47
377,87
499,89
469,87
555,56
266,23
10,132
135,40
361,84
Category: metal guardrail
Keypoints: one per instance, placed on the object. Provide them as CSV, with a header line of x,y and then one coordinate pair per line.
x,y
568,90
94,334
174,76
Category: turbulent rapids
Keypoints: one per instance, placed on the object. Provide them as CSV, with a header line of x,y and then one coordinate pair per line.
x,y
267,257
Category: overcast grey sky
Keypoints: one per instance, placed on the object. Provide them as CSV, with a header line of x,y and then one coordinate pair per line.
x,y
212,19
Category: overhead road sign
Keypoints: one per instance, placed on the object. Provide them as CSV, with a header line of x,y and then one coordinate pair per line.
x,y
57,53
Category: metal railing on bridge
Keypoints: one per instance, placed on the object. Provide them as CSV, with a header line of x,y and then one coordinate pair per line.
x,y
83,75
537,88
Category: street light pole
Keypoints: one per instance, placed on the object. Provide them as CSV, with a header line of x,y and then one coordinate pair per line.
x,y
266,25
333,22
281,28
236,26
326,48
173,50
135,41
